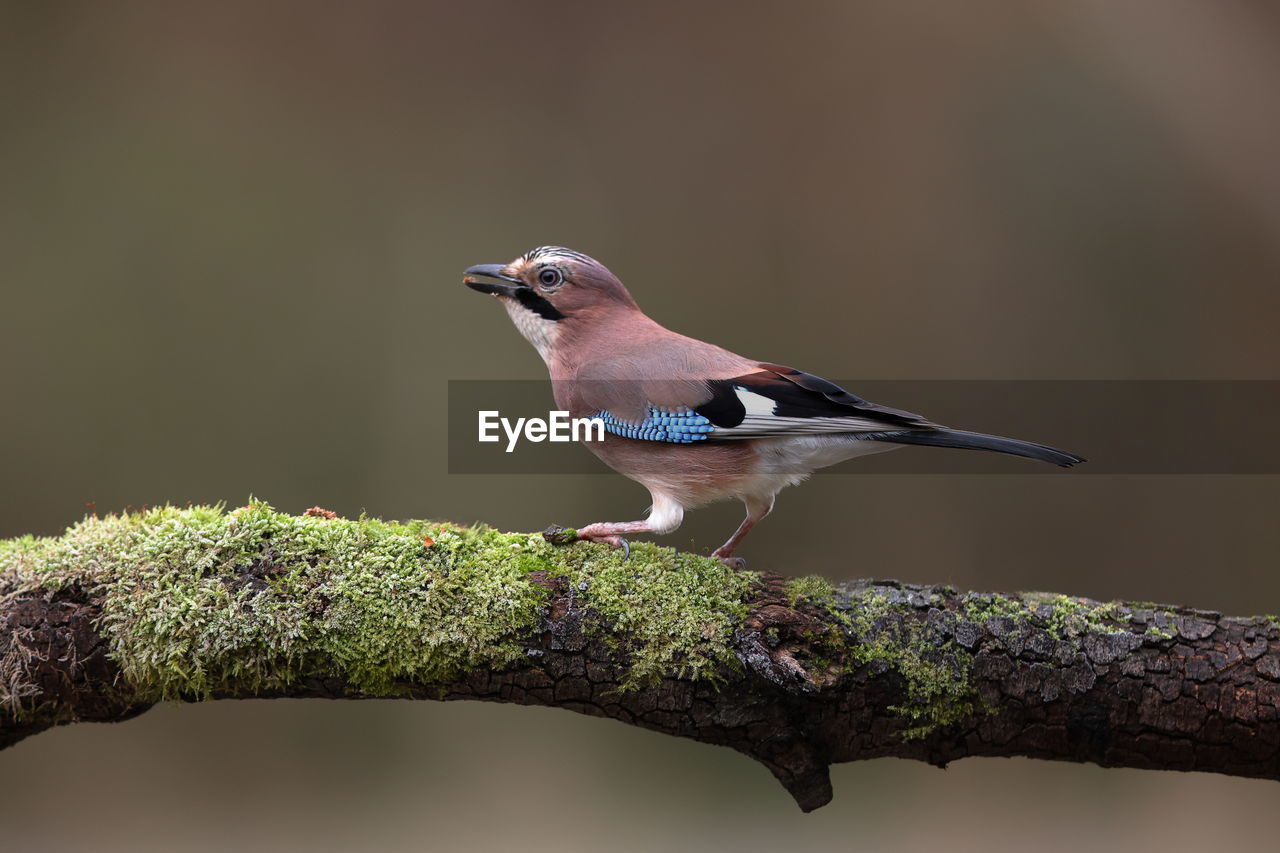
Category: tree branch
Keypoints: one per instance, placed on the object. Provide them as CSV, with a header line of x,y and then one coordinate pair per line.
x,y
125,611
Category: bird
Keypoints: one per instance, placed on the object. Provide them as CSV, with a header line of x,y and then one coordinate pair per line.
x,y
690,421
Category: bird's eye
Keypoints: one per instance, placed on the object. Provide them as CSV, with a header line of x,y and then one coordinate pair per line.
x,y
550,277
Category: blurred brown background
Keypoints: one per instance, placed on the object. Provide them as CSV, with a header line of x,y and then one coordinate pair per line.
x,y
231,238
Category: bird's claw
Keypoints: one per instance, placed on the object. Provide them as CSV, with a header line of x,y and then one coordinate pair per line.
x,y
614,541
736,563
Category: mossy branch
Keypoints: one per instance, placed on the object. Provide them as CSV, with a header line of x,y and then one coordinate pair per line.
x,y
200,603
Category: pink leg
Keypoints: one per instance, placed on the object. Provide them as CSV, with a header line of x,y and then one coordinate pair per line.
x,y
664,517
610,532
756,510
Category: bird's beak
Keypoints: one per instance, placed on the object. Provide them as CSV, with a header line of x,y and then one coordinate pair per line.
x,y
493,271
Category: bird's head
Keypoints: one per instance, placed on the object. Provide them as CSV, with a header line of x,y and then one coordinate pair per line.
x,y
549,288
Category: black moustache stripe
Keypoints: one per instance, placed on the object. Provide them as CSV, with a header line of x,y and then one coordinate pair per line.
x,y
535,303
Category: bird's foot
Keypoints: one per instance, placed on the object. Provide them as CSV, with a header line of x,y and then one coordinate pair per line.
x,y
735,563
616,542
557,535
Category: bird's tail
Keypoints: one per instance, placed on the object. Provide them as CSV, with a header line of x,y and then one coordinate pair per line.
x,y
977,441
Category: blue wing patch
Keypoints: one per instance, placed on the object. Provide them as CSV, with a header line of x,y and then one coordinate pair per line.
x,y
679,426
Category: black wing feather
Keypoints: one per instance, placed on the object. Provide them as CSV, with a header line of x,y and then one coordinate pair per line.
x,y
808,404
798,395
842,398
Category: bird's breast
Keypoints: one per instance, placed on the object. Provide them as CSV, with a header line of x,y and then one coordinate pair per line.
x,y
693,474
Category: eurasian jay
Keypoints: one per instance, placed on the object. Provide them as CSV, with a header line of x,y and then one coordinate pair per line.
x,y
692,422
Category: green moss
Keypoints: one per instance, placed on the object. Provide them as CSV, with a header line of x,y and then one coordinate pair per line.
x,y
1168,630
677,610
979,607
937,675
1070,618
814,589
887,632
202,601
883,634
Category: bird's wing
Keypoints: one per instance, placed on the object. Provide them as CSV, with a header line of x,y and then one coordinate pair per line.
x,y
778,400
769,400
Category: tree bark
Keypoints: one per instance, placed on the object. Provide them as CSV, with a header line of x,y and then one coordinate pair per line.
x,y
819,679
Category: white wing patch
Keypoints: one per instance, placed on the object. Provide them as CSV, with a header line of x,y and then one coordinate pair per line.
x,y
761,421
